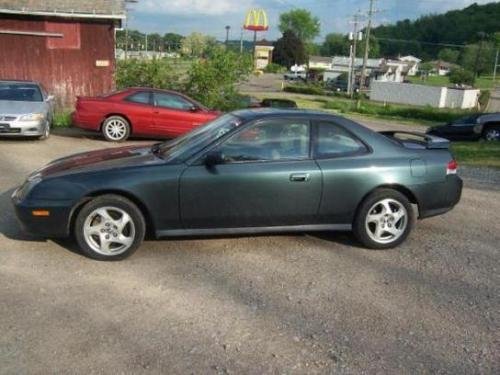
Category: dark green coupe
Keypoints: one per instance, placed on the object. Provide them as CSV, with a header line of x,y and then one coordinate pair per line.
x,y
250,171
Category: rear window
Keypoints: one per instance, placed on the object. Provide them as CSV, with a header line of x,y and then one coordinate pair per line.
x,y
20,92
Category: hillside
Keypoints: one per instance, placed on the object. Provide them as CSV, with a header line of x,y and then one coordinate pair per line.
x,y
453,27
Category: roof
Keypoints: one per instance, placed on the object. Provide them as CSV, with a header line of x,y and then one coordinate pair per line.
x,y
320,59
249,114
443,64
66,8
346,61
410,58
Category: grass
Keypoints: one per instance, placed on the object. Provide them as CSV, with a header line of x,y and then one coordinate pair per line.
x,y
62,119
485,154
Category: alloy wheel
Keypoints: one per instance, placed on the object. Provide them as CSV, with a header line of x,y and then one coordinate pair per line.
x,y
116,129
386,221
492,135
109,231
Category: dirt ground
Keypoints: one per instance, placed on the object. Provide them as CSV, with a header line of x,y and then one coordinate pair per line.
x,y
287,304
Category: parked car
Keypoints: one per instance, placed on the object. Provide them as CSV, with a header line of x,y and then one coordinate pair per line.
x,y
250,171
340,85
140,111
26,109
479,126
278,103
295,76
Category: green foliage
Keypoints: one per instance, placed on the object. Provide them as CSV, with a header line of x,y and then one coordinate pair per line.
x,y
403,112
274,68
62,119
477,153
289,50
212,80
155,73
449,55
137,41
484,98
455,27
301,22
486,54
197,45
335,44
462,77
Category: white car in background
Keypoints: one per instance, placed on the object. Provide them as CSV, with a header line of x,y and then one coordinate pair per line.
x,y
26,110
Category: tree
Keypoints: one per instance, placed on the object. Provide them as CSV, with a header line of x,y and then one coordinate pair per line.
x,y
172,41
305,26
155,42
485,62
196,44
212,81
289,50
449,55
373,52
461,76
335,44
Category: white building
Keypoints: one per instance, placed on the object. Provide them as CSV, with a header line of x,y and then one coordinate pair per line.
x,y
415,61
320,62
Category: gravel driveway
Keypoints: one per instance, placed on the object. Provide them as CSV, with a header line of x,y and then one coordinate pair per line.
x,y
312,303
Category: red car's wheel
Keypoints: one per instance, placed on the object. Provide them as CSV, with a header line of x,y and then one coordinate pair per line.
x,y
116,129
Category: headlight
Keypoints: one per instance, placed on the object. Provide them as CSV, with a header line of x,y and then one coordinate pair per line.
x,y
28,185
33,117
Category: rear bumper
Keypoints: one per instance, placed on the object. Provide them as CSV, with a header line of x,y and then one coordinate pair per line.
x,y
84,122
53,226
437,199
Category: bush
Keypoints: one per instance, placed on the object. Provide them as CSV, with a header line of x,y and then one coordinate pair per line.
x,y
274,68
156,73
61,119
461,76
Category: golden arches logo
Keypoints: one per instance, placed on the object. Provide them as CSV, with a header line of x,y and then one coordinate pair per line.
x,y
256,20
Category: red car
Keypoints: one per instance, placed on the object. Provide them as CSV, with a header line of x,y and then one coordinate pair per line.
x,y
140,111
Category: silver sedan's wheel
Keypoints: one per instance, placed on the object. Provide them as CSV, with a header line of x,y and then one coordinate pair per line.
x,y
386,221
492,134
116,129
109,231
109,227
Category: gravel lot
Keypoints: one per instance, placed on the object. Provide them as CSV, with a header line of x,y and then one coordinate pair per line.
x,y
312,303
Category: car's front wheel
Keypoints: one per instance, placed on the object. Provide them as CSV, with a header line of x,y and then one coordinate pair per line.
x,y
492,133
109,227
384,219
116,129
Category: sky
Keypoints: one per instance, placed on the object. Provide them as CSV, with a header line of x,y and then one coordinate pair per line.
x,y
211,16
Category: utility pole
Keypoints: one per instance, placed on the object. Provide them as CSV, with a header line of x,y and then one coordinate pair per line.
x,y
481,35
227,34
127,10
495,68
354,41
241,41
371,12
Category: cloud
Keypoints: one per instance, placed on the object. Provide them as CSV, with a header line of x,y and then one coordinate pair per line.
x,y
193,7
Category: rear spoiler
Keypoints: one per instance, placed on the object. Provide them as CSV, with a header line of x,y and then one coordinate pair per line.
x,y
429,141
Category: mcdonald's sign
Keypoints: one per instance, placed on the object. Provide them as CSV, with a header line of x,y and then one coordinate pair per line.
x,y
256,20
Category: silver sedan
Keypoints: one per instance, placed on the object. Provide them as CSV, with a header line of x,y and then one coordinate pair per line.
x,y
25,109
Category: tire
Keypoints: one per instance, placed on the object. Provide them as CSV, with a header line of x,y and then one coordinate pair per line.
x,y
384,219
109,227
46,132
491,133
116,129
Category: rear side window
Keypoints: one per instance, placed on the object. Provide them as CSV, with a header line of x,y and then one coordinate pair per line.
x,y
332,141
142,97
172,101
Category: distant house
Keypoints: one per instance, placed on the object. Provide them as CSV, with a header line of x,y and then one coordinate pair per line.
x,y
342,64
392,71
320,62
67,45
441,68
415,63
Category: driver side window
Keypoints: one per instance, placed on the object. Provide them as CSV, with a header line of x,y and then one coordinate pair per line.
x,y
272,140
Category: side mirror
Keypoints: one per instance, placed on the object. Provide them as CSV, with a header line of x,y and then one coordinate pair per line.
x,y
213,158
50,98
194,108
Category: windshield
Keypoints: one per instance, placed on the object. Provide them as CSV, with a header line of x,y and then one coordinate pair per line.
x,y
20,92
189,144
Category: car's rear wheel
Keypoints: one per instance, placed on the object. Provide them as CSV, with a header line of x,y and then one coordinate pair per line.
x,y
109,227
384,219
116,129
492,133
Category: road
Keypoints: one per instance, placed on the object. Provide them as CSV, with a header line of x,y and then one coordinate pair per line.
x,y
294,304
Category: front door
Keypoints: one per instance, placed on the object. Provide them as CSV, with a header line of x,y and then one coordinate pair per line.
x,y
267,178
174,115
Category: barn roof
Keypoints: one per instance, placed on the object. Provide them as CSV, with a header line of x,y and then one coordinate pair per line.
x,y
66,8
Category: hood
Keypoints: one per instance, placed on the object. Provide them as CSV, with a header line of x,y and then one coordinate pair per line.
x,y
12,107
100,160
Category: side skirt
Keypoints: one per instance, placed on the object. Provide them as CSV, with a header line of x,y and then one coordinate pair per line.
x,y
252,230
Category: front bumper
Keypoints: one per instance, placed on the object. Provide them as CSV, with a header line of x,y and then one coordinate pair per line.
x,y
22,128
56,225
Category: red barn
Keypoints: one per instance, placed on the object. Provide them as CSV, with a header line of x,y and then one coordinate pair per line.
x,y
67,45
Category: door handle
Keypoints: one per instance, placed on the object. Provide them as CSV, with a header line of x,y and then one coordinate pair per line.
x,y
299,177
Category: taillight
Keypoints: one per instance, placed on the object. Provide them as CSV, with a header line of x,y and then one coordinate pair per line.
x,y
452,167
